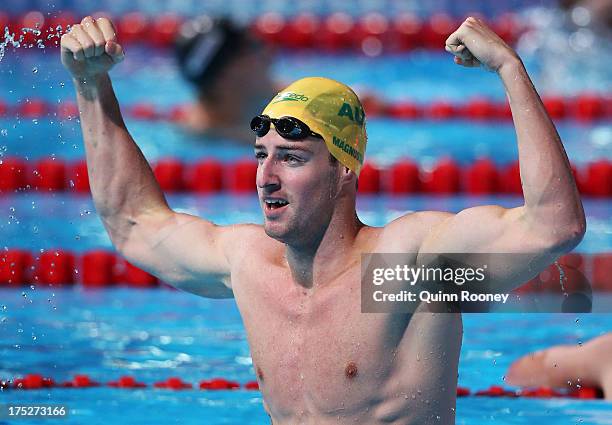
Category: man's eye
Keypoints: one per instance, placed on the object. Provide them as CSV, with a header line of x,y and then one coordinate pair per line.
x,y
260,155
292,159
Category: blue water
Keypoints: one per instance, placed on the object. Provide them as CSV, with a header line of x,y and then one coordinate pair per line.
x,y
156,334
33,221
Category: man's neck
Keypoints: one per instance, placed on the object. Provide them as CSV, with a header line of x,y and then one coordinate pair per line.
x,y
321,260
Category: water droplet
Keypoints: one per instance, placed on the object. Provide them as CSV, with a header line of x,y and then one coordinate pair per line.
x,y
4,132
35,70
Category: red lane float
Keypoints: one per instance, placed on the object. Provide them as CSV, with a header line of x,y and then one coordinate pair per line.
x,y
14,267
164,31
403,177
205,176
169,174
483,177
242,175
219,384
132,27
601,278
444,178
369,179
38,382
80,381
597,179
510,179
173,383
101,268
97,268
55,267
129,274
126,382
78,178
12,174
49,175
368,33
475,109
33,382
301,32
251,385
33,108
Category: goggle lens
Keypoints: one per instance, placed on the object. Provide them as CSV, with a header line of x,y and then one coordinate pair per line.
x,y
287,127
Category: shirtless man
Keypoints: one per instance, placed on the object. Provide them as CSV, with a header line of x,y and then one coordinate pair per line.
x,y
296,279
565,366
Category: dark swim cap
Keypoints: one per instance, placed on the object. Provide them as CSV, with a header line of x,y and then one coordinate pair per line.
x,y
204,45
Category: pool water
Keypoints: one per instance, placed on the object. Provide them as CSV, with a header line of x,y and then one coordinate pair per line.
x,y
155,334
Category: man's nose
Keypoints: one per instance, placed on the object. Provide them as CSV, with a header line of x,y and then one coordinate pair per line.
x,y
267,176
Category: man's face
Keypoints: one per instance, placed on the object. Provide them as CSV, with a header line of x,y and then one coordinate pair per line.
x,y
297,186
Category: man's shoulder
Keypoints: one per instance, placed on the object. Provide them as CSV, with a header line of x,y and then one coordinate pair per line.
x,y
242,239
418,221
406,233
245,233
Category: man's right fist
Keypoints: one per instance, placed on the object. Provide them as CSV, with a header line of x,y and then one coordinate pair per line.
x,y
90,48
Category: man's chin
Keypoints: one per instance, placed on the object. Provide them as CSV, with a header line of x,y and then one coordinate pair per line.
x,y
275,232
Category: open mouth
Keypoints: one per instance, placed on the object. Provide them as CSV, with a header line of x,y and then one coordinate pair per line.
x,y
275,204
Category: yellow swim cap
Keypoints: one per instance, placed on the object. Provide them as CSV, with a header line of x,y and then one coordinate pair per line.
x,y
330,109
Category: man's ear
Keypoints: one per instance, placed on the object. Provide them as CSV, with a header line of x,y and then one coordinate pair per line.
x,y
347,176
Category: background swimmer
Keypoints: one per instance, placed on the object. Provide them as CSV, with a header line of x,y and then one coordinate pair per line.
x,y
224,62
567,366
296,278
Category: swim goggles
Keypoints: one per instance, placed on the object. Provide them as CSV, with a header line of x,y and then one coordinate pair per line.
x,y
287,127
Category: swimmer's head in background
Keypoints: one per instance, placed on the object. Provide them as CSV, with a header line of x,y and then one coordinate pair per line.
x,y
205,44
330,109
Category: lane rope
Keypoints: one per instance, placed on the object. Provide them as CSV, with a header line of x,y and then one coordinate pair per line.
x,y
583,107
582,273
371,33
209,176
38,382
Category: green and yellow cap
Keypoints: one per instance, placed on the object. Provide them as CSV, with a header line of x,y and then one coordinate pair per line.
x,y
330,109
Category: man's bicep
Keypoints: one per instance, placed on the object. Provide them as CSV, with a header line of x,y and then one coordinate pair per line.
x,y
515,252
179,249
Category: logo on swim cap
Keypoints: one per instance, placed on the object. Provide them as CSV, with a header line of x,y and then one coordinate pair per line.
x,y
346,111
289,96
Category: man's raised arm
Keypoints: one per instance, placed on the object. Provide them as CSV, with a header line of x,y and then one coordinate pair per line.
x,y
551,221
182,250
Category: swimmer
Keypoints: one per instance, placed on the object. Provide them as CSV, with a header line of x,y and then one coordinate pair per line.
x,y
223,62
567,366
296,278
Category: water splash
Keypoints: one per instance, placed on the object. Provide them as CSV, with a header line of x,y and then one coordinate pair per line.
x,y
19,39
562,278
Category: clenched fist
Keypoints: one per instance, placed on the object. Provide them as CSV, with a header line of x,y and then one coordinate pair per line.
x,y
90,48
475,44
